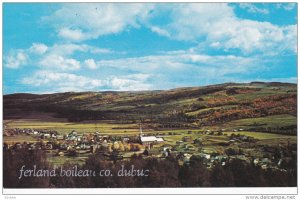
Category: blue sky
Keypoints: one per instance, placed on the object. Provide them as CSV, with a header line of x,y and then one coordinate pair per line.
x,y
60,47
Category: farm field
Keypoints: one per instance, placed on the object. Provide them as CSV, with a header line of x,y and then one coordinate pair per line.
x,y
60,160
133,129
269,121
262,135
66,127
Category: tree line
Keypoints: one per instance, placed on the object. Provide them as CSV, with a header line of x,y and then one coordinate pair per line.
x,y
162,173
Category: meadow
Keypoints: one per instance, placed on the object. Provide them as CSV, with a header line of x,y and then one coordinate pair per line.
x,y
81,127
269,121
111,128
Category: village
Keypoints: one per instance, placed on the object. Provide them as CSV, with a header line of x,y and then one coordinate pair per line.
x,y
209,147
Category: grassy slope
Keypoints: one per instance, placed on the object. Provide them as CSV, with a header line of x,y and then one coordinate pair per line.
x,y
270,121
197,102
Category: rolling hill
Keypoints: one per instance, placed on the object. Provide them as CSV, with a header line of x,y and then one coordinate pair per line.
x,y
215,105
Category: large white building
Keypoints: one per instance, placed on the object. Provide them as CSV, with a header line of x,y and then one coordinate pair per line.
x,y
149,140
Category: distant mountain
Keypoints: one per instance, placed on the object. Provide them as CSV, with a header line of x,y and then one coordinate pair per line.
x,y
189,106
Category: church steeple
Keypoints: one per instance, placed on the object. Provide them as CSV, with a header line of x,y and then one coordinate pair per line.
x,y
141,130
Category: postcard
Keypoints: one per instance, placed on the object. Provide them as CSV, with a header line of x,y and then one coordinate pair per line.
x,y
149,98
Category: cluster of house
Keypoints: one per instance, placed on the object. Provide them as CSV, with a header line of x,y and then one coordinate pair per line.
x,y
188,153
185,150
211,159
241,138
87,142
28,131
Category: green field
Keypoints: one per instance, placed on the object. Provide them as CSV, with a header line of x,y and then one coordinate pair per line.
x,y
110,128
66,127
270,121
263,136
104,127
195,113
60,160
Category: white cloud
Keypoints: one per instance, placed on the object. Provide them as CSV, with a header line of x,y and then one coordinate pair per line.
x,y
192,21
215,25
251,36
291,35
185,68
286,6
160,31
59,62
208,26
253,9
74,35
89,21
38,48
289,6
96,50
185,64
139,77
167,70
90,63
67,49
62,82
65,82
128,84
57,56
15,59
